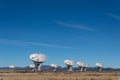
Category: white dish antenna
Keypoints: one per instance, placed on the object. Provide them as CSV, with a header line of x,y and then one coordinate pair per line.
x,y
38,58
32,66
54,66
70,64
12,67
83,66
86,66
99,66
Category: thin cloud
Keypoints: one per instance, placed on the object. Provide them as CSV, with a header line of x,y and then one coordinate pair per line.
x,y
80,37
77,26
26,43
47,45
12,42
113,16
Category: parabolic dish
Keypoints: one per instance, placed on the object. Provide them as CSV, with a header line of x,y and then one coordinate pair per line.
x,y
99,65
54,65
38,57
11,66
82,64
69,62
32,66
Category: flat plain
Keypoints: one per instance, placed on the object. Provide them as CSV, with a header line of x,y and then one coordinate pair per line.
x,y
90,75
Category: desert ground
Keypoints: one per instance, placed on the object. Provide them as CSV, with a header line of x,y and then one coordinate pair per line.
x,y
26,75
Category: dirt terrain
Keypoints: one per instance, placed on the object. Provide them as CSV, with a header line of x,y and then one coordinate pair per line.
x,y
24,75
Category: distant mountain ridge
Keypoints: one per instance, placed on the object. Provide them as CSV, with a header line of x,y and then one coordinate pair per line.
x,y
49,68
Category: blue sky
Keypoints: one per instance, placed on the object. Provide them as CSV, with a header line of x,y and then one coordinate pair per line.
x,y
81,30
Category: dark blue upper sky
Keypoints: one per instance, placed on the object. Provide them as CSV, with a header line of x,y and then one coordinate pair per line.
x,y
81,30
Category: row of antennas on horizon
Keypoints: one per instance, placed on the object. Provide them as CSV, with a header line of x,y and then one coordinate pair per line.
x,y
39,58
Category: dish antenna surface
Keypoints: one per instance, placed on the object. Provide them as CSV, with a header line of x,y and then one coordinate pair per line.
x,y
32,66
99,66
54,66
70,64
38,59
12,67
83,66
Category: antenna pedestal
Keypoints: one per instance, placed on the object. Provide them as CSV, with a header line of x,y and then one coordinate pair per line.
x,y
38,59
69,68
99,69
37,66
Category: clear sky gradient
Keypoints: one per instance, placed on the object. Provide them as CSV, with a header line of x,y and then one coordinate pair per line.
x,y
81,30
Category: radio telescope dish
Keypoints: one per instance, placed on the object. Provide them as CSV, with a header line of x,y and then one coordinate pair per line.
x,y
86,66
38,59
32,66
70,64
12,67
83,66
54,66
99,66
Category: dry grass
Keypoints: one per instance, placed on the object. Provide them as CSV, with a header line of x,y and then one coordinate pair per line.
x,y
4,75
